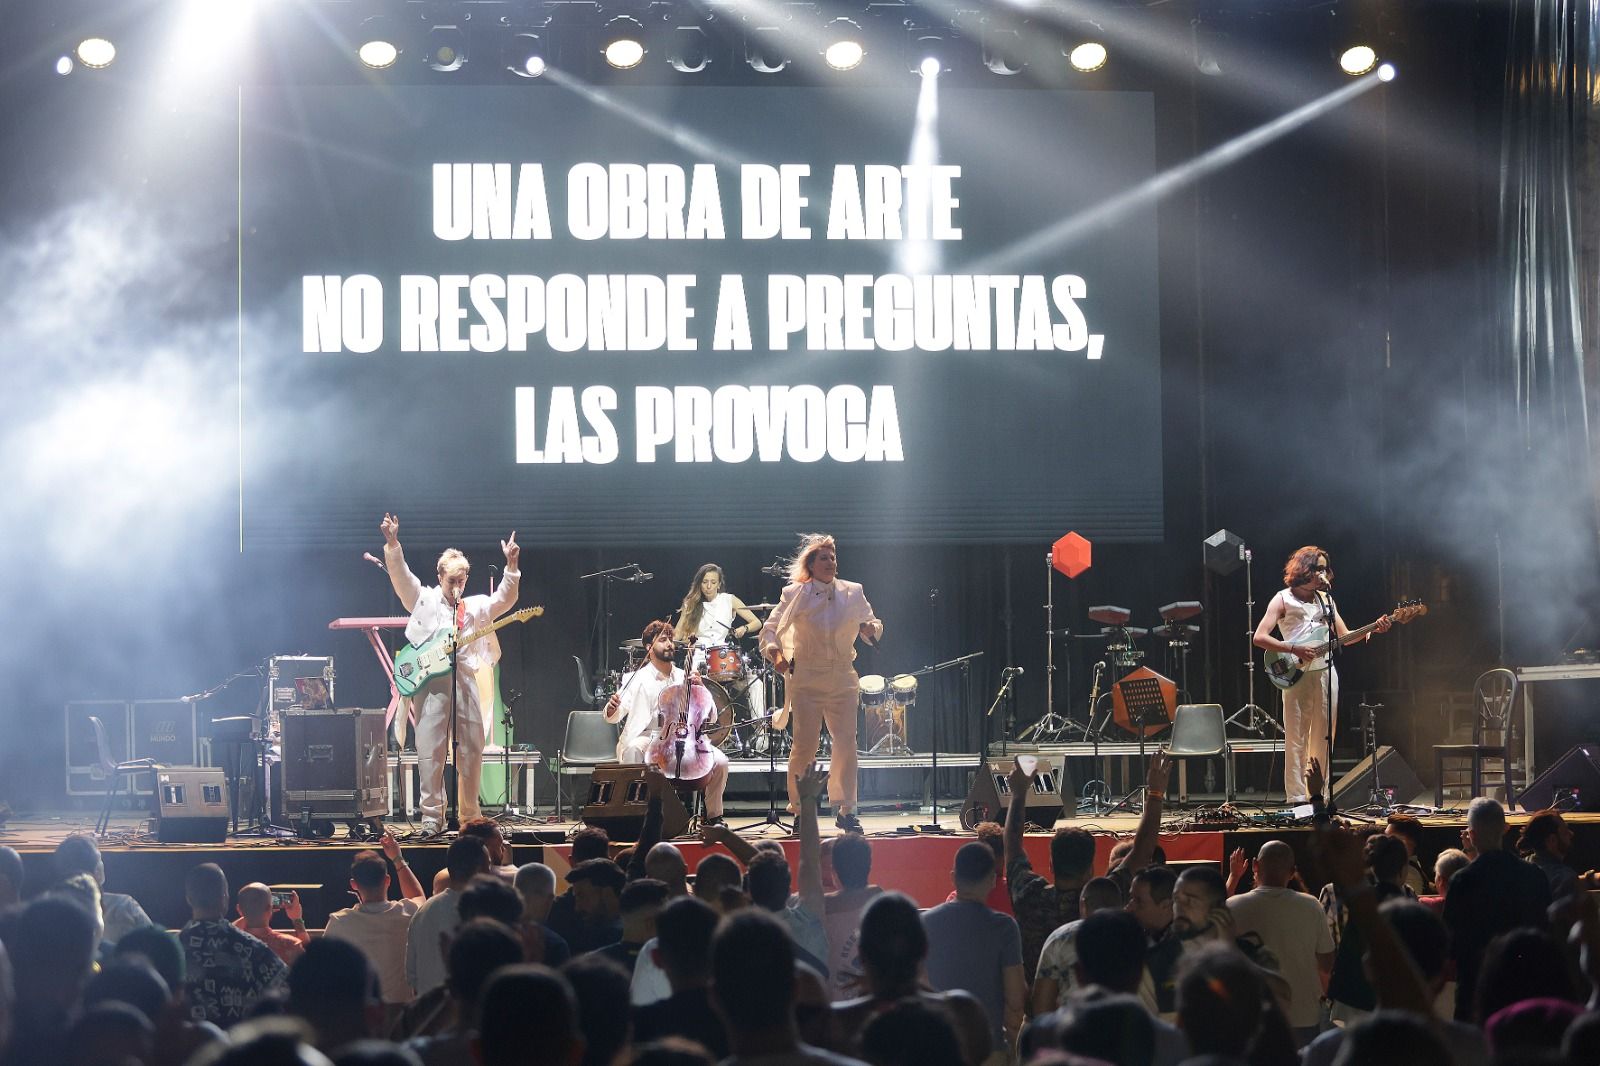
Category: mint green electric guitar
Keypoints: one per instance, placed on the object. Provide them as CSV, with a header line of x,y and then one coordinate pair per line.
x,y
416,666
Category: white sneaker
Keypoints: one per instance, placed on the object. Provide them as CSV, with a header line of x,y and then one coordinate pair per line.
x,y
430,827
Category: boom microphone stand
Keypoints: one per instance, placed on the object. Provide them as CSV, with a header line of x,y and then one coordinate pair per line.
x,y
1251,718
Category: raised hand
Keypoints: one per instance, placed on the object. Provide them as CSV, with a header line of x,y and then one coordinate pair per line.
x,y
1160,765
390,846
810,783
391,528
292,910
1021,781
1315,782
512,549
1237,864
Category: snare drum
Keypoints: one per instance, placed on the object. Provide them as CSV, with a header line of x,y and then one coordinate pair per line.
x,y
724,662
874,691
903,690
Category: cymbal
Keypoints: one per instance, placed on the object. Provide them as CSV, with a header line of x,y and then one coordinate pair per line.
x,y
1181,611
1108,615
632,644
761,606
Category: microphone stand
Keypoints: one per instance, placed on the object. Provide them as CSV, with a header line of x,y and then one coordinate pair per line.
x,y
933,785
452,813
1329,695
629,572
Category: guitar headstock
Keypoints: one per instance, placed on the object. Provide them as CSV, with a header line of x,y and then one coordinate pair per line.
x,y
1406,610
536,611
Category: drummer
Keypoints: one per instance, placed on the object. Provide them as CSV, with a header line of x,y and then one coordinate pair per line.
x,y
707,616
707,619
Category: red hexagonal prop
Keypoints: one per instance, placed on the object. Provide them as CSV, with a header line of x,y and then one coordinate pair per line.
x,y
1070,555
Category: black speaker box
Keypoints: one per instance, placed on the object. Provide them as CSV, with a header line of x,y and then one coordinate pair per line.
x,y
618,796
1394,775
989,797
191,805
1571,784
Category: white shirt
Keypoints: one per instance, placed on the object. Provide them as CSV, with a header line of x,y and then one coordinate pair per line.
x,y
425,969
430,614
1294,928
650,981
716,619
816,623
380,931
640,691
1301,622
1059,956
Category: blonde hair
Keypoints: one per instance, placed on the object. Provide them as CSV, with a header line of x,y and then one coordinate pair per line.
x,y
810,544
450,559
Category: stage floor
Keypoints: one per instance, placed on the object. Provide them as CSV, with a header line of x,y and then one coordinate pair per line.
x,y
907,855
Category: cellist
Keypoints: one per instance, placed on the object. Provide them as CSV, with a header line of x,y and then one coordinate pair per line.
x,y
656,687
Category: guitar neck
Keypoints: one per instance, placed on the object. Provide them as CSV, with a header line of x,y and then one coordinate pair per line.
x,y
516,616
1350,637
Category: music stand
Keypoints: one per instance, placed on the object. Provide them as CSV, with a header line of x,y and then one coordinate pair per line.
x,y
1140,703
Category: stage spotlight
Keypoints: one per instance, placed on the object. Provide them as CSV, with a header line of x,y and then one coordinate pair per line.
x,y
1386,72
690,52
766,50
1088,57
1358,59
844,50
64,65
624,42
447,49
931,55
378,47
526,55
96,53
1002,52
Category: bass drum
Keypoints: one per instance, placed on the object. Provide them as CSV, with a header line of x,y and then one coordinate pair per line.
x,y
732,708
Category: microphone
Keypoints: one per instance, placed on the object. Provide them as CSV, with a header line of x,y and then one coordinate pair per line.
x,y
375,561
195,698
642,575
1013,671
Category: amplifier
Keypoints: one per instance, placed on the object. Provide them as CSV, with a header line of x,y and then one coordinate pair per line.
x,y
335,763
191,805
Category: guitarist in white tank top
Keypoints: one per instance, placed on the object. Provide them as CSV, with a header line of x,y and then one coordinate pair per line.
x,y
1297,612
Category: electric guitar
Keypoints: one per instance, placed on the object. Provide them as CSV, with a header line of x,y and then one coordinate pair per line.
x,y
415,666
1285,669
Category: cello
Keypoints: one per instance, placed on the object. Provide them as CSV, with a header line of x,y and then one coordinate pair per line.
x,y
685,713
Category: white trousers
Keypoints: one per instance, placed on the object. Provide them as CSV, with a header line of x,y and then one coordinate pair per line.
x,y
1305,731
815,696
433,744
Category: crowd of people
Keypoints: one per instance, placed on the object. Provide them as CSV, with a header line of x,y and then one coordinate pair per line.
x,y
1480,956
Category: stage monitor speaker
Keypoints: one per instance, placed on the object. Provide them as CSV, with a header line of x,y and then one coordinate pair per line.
x,y
191,805
1571,784
1394,777
989,797
335,763
618,796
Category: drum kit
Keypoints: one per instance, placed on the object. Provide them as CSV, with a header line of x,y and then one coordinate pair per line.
x,y
1123,658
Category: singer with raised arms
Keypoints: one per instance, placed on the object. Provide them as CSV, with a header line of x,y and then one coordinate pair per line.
x,y
642,701
436,609
712,616
1299,612
811,636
